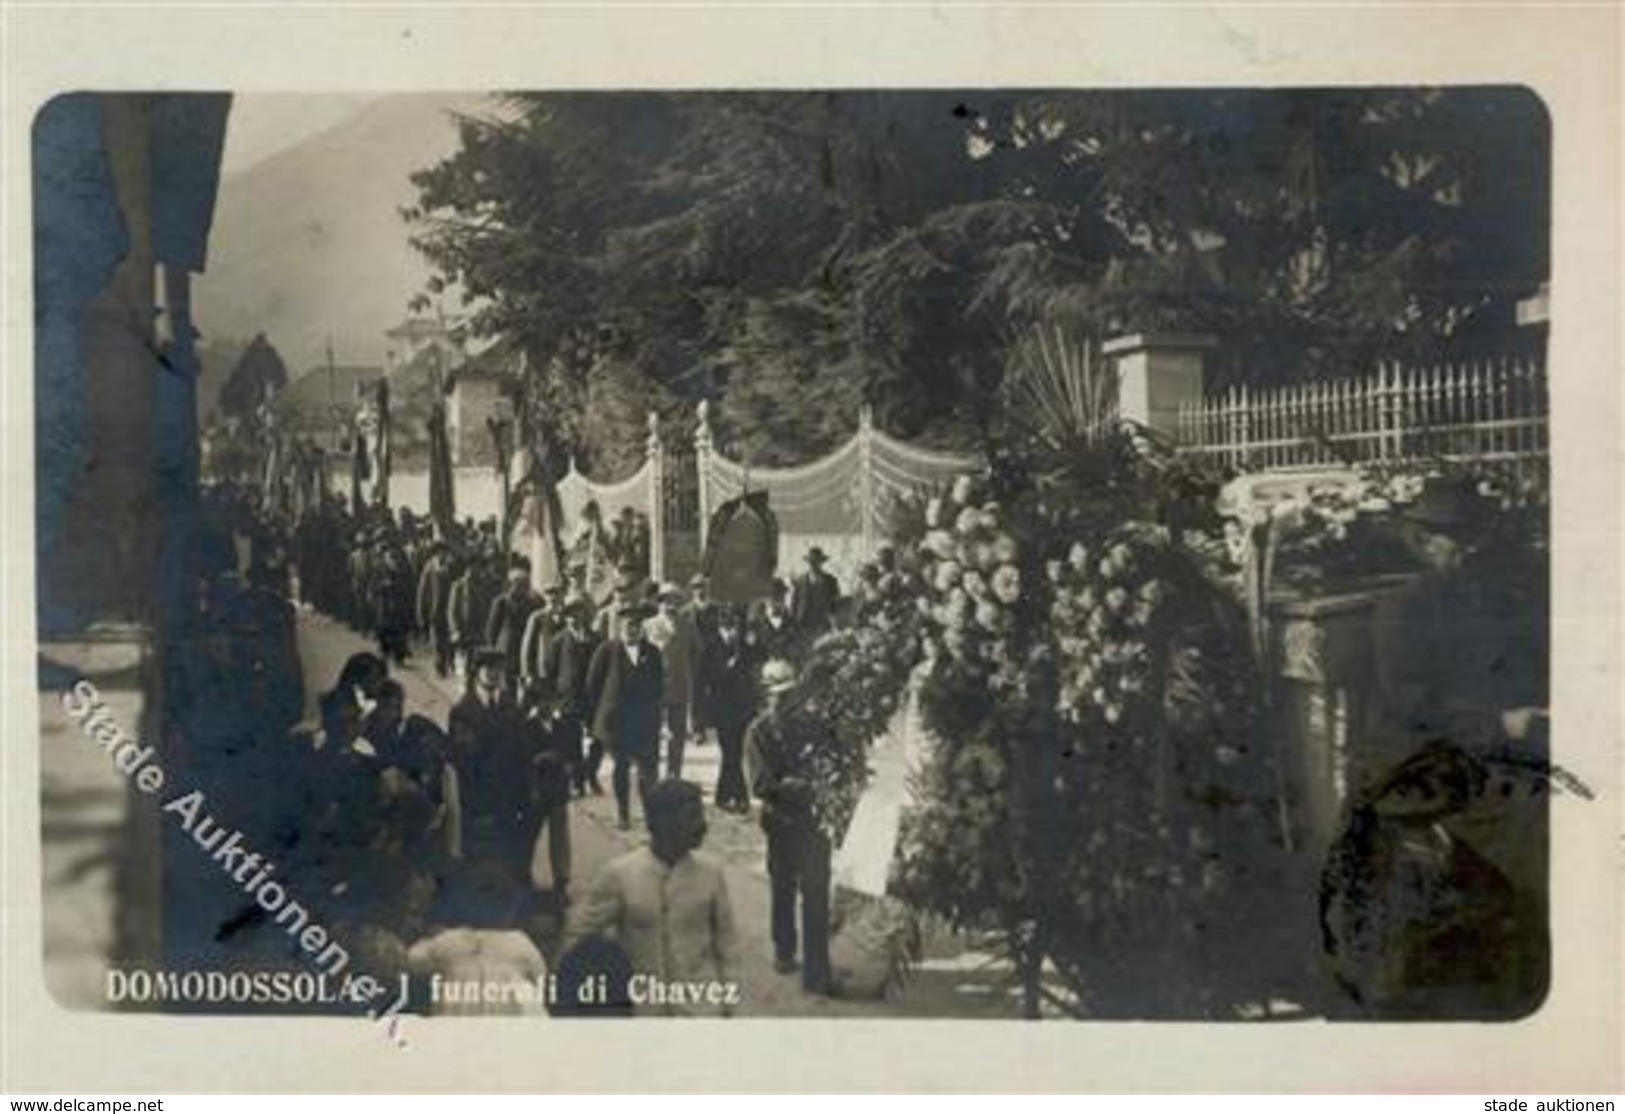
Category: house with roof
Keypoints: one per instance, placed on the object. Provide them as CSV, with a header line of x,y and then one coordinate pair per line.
x,y
420,342
476,389
321,403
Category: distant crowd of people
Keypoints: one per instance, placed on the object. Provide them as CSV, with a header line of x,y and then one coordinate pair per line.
x,y
554,683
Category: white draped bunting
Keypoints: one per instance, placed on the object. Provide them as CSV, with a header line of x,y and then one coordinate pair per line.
x,y
841,502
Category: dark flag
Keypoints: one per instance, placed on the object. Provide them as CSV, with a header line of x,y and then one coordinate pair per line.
x,y
742,549
442,498
360,460
380,447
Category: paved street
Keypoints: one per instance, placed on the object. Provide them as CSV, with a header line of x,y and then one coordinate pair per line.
x,y
89,899
950,982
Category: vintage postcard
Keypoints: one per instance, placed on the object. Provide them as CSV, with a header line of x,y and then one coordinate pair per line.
x,y
1118,555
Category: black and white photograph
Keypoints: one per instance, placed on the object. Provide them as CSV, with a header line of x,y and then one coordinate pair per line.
x,y
993,553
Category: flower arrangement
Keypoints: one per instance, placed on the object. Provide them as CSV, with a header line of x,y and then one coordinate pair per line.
x,y
1309,533
1098,792
853,683
1091,694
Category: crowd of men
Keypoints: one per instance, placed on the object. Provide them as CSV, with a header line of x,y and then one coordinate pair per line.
x,y
391,808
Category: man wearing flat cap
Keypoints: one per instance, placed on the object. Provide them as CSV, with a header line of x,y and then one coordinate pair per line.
x,y
628,683
700,607
566,661
623,595
510,612
544,622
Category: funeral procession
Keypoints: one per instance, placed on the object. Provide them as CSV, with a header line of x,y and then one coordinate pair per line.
x,y
1033,554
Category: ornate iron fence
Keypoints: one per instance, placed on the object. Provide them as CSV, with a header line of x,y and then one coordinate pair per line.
x,y
1493,410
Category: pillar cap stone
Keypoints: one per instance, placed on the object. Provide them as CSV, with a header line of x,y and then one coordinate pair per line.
x,y
1135,342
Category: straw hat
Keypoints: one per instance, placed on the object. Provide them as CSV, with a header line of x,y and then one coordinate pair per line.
x,y
778,676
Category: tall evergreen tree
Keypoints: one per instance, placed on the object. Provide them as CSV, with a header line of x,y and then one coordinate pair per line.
x,y
259,371
792,254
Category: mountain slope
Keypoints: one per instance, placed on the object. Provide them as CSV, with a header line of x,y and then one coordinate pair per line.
x,y
309,241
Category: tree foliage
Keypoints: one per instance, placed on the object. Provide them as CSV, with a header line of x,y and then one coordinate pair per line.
x,y
258,372
791,254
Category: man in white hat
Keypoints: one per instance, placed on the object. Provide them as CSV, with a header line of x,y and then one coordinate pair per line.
x,y
779,748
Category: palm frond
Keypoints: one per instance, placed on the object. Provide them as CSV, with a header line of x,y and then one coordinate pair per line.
x,y
1059,394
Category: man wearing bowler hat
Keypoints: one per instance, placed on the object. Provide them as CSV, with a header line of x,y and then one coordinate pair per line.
x,y
814,598
628,683
491,751
726,701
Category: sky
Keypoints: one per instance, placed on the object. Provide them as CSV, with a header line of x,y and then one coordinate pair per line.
x,y
308,244
261,124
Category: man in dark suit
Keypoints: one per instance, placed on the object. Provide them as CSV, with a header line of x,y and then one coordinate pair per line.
x,y
510,611
700,614
434,605
676,634
471,598
773,634
543,624
700,604
779,746
491,750
815,599
727,701
413,748
629,685
554,757
562,676
625,594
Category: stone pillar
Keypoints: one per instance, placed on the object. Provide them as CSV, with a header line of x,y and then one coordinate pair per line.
x,y
1324,659
1157,373
657,501
702,464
